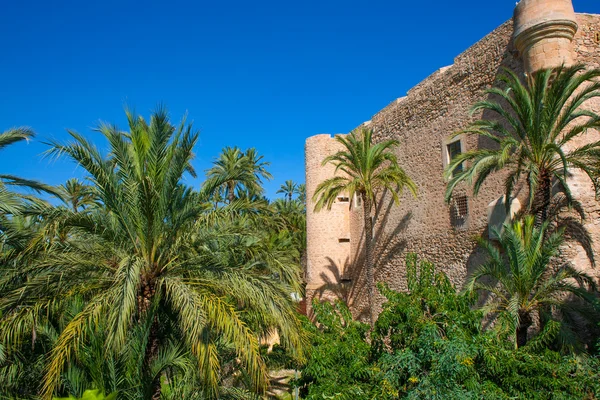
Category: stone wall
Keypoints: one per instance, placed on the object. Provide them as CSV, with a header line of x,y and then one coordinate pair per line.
x,y
422,122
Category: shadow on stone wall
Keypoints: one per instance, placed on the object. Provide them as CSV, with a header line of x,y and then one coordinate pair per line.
x,y
386,246
334,284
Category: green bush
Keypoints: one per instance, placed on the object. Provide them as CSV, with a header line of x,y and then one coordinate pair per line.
x,y
91,395
428,343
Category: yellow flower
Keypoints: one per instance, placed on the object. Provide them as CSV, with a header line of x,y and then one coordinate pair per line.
x,y
468,362
413,379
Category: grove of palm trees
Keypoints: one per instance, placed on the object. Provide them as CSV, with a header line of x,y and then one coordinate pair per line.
x,y
131,284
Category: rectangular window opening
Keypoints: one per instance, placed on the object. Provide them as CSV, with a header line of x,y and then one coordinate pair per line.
x,y
344,240
344,199
453,150
597,37
459,211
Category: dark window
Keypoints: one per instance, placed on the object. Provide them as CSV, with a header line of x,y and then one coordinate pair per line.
x,y
454,149
344,199
344,240
597,36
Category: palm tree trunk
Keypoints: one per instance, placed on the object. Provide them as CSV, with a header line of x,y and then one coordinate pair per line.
x,y
542,197
369,256
525,322
151,353
230,194
145,297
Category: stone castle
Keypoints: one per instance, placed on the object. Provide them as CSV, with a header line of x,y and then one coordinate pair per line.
x,y
542,34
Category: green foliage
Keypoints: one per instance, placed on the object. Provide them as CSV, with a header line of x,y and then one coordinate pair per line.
x,y
90,395
340,365
424,340
521,280
428,343
167,285
531,127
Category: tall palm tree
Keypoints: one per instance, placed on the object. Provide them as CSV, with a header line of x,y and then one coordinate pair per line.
x,y
366,168
11,202
535,128
239,171
288,189
146,261
228,171
258,169
526,281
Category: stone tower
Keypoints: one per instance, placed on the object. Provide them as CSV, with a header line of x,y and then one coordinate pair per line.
x,y
328,232
543,33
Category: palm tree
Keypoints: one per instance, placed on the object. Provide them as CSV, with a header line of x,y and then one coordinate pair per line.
x,y
527,283
235,170
76,194
291,216
288,189
301,192
145,261
537,125
258,169
366,168
11,202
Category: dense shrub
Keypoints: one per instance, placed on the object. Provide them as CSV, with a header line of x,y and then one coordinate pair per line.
x,y
428,343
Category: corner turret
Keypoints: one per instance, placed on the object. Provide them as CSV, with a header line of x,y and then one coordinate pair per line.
x,y
543,32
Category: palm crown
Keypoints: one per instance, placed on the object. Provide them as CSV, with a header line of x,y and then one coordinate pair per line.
x,y
537,125
365,168
239,171
526,280
288,189
10,201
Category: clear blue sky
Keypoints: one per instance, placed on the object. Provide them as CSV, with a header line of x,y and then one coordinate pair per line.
x,y
264,74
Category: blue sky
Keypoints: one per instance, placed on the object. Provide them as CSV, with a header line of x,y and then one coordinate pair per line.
x,y
264,74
